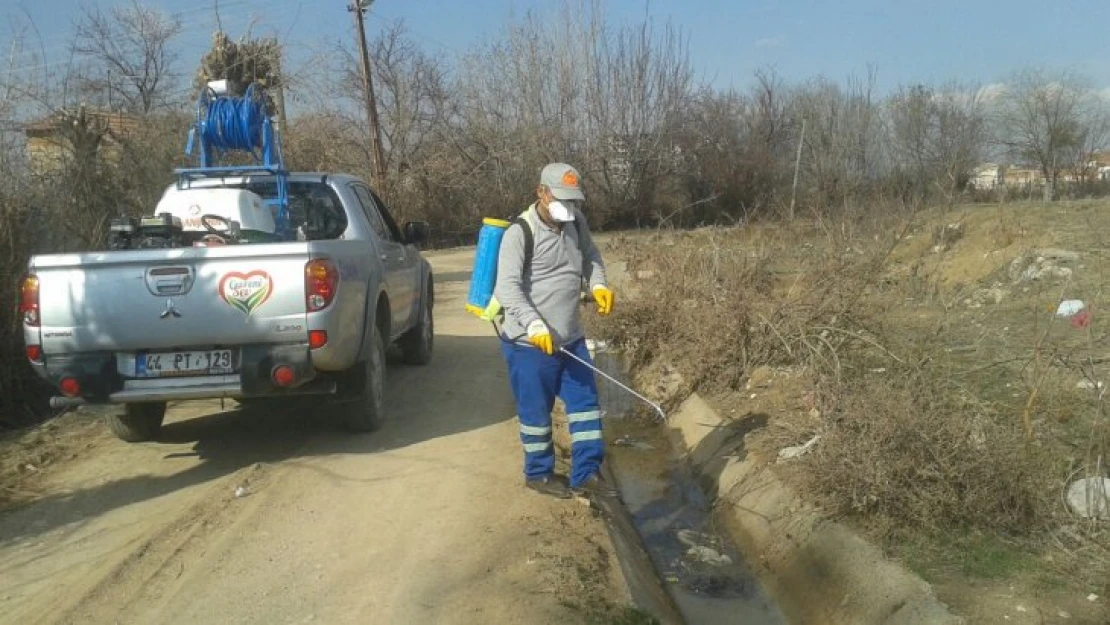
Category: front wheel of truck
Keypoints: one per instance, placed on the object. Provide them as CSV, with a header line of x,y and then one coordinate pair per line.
x,y
139,422
363,413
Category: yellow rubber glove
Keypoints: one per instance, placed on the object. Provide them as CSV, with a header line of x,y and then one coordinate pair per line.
x,y
540,337
604,298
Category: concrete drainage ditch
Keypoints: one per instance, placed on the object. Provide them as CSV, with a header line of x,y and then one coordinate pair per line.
x,y
680,563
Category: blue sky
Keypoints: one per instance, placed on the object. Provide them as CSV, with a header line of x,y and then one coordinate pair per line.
x,y
906,40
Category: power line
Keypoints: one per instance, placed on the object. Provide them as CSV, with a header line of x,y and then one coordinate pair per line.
x,y
393,21
196,27
200,26
68,37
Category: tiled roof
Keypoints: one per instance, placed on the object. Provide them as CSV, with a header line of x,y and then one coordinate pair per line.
x,y
119,124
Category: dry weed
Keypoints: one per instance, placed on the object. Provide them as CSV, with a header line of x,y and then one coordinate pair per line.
x,y
953,434
905,450
714,305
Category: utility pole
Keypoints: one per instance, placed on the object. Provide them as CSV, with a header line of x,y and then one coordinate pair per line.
x,y
797,165
359,8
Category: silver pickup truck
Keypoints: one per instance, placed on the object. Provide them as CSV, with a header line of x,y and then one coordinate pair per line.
x,y
192,305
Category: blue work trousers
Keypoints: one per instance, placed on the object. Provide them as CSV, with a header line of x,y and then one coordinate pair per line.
x,y
537,379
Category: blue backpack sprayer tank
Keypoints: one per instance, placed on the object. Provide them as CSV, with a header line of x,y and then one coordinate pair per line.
x,y
228,124
480,300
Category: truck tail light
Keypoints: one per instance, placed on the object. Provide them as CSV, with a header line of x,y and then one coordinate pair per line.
x,y
321,279
283,376
29,301
34,353
70,387
317,338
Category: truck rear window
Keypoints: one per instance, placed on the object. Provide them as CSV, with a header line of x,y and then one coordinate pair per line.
x,y
311,203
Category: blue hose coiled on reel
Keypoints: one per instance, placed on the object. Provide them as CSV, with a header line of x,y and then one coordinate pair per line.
x,y
235,123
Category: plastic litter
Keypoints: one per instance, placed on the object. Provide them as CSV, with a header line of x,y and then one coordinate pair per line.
x,y
708,556
1081,319
1090,497
690,538
1069,308
632,442
789,453
596,345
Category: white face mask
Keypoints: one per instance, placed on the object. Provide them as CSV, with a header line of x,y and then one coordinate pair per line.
x,y
560,211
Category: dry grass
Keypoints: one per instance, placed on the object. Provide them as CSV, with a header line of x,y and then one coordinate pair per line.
x,y
944,392
908,451
31,454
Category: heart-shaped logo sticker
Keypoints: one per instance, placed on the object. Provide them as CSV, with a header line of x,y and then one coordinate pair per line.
x,y
246,292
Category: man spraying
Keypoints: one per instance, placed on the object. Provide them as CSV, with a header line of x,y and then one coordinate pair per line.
x,y
539,284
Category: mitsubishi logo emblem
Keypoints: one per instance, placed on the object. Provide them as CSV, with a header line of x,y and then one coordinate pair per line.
x,y
170,311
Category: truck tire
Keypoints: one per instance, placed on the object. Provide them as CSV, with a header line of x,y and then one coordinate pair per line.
x,y
139,422
364,412
416,345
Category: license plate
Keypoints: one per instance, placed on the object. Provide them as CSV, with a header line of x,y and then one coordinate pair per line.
x,y
164,364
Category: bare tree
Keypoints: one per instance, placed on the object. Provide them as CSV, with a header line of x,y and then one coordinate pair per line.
x,y
641,84
717,173
562,85
1094,138
1045,119
738,150
842,156
937,136
132,46
412,95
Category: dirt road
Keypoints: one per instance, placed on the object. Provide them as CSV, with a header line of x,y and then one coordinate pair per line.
x,y
425,521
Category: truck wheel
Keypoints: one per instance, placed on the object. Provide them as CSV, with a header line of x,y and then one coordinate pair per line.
x,y
364,413
139,422
417,343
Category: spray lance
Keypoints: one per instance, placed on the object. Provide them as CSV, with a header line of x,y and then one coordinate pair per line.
x,y
655,406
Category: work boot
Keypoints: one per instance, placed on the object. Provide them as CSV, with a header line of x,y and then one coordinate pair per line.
x,y
596,486
549,485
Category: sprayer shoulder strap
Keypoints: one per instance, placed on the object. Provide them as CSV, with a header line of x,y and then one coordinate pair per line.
x,y
525,222
529,242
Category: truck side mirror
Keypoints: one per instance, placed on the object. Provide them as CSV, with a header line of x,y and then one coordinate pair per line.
x,y
416,231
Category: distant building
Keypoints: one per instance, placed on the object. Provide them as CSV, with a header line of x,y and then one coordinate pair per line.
x,y
1014,176
51,140
986,176
1099,166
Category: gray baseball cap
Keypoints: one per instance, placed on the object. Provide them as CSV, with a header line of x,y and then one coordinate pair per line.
x,y
563,180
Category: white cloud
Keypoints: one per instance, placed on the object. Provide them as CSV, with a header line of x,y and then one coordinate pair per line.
x,y
769,42
992,91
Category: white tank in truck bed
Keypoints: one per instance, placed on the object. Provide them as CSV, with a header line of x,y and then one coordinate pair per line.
x,y
245,207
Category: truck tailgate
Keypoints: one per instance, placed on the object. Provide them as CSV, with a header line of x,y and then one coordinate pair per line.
x,y
161,299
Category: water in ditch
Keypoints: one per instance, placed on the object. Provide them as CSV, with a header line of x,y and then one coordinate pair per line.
x,y
702,569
